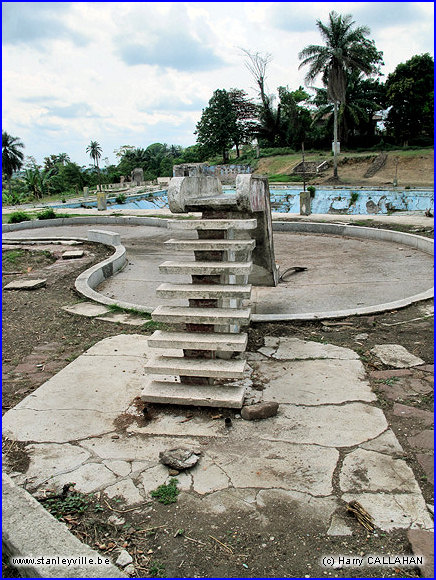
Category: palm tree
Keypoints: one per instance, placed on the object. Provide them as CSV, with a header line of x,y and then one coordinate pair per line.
x,y
346,49
12,157
95,152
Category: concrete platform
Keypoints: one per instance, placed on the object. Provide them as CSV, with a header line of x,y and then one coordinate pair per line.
x,y
325,429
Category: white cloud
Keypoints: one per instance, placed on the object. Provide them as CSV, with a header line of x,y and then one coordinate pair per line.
x,y
141,72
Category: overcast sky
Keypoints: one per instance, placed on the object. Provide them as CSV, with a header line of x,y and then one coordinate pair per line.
x,y
136,73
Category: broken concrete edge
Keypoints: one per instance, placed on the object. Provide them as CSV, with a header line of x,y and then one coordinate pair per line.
x,y
29,530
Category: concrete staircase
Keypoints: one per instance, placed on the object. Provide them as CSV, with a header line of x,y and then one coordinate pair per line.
x,y
204,371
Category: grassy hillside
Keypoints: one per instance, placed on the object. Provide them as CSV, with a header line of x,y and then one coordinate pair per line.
x,y
415,167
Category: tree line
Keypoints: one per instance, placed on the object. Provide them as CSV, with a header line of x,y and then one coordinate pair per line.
x,y
346,109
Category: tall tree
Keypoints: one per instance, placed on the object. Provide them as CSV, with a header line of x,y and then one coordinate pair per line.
x,y
246,117
12,156
410,94
296,119
218,125
346,49
94,149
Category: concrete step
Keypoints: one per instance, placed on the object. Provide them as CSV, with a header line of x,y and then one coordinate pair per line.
x,y
217,316
206,291
205,268
192,367
209,245
205,396
212,224
199,340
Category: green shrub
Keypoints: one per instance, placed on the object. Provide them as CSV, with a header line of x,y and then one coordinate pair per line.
x,y
46,214
121,198
311,189
18,216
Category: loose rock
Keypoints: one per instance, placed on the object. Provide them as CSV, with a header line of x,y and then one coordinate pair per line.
x,y
124,559
260,411
179,458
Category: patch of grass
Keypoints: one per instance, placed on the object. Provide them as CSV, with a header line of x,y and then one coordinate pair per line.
x,y
18,216
284,178
122,310
390,381
152,325
167,492
156,569
11,256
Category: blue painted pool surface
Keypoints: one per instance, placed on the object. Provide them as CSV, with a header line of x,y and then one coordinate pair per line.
x,y
286,199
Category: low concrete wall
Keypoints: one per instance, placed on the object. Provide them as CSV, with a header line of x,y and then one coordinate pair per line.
x,y
118,220
28,530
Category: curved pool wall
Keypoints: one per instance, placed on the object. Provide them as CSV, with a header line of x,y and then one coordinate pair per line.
x,y
358,201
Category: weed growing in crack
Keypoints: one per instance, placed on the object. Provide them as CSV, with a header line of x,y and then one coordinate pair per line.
x,y
167,492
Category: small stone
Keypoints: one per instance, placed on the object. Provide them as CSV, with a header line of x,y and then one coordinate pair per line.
x,y
124,559
179,458
115,437
173,472
129,569
260,411
116,521
362,336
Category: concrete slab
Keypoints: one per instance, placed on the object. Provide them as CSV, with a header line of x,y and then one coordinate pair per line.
x,y
89,309
26,284
208,477
126,490
297,349
48,459
328,425
73,254
384,443
305,468
396,356
289,458
364,470
394,510
320,382
88,478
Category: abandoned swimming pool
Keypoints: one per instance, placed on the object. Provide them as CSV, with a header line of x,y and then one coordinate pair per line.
x,y
286,199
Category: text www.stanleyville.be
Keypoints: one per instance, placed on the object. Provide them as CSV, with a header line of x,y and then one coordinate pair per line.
x,y
61,561
371,560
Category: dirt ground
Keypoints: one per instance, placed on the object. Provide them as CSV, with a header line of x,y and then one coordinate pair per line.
x,y
178,540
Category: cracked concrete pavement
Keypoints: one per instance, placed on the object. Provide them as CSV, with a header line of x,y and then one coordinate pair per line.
x,y
328,444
